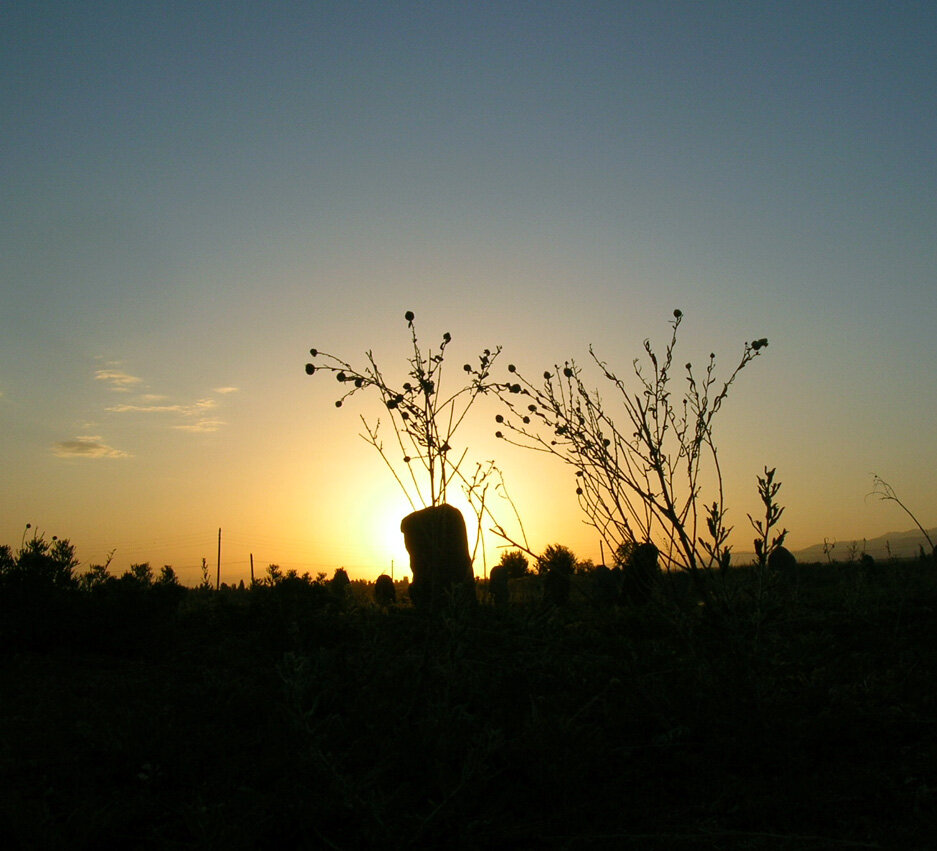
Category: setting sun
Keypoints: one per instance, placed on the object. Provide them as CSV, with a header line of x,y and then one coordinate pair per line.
x,y
540,179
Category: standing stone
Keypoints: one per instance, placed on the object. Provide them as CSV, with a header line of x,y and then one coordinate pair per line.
x,y
783,561
440,562
498,586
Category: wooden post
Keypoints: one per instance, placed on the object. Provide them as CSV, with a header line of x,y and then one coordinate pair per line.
x,y
218,567
252,570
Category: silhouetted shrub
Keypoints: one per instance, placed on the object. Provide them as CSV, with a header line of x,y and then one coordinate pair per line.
x,y
515,562
557,558
556,587
604,585
640,574
339,583
37,591
556,565
385,594
39,565
140,573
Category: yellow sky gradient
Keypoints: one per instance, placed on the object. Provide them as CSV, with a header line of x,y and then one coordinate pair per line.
x,y
184,217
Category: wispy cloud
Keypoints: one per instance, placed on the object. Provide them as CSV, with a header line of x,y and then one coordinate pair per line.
x,y
183,416
118,380
202,426
145,409
87,447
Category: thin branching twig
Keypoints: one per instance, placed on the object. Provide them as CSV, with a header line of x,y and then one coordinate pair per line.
x,y
639,479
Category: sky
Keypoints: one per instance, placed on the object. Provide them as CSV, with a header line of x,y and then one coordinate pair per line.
x,y
195,194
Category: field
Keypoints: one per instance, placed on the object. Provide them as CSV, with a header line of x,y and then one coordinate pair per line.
x,y
792,713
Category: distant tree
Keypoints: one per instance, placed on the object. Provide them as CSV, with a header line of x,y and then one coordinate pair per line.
x,y
556,558
37,593
141,573
97,574
385,593
274,575
515,563
95,577
340,582
167,576
623,553
40,564
585,566
556,564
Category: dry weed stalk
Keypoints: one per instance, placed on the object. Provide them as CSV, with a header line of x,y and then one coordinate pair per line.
x,y
638,479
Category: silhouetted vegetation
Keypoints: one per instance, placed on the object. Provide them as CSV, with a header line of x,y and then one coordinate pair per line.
x,y
639,470
424,414
313,712
647,705
515,563
424,418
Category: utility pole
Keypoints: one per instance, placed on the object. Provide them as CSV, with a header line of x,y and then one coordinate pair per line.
x,y
252,570
218,568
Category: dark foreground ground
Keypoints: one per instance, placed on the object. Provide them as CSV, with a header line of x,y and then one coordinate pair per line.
x,y
803,716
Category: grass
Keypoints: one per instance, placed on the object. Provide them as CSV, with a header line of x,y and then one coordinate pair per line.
x,y
803,719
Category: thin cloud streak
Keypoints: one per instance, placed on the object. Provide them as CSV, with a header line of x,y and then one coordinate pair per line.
x,y
147,409
157,403
90,446
118,380
202,426
186,410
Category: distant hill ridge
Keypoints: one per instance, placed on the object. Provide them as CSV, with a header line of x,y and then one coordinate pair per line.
x,y
890,545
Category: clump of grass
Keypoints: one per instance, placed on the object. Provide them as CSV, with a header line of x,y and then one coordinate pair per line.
x,y
886,493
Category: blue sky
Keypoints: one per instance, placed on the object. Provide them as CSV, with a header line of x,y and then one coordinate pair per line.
x,y
195,194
